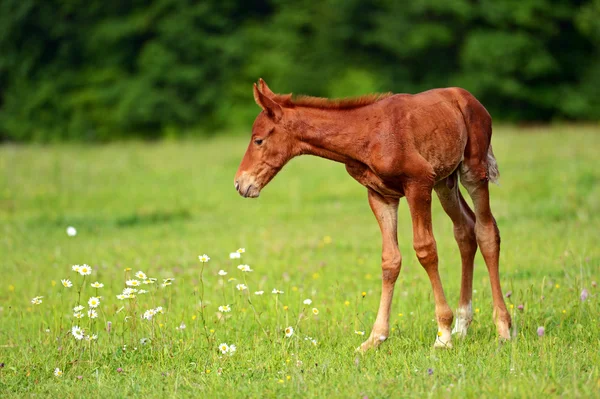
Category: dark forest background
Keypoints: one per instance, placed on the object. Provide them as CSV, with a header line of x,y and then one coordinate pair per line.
x,y
97,70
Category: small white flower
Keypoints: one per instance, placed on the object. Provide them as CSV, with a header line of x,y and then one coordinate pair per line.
x,y
121,297
315,311
307,301
85,270
77,332
235,255
66,283
150,280
97,285
37,300
58,372
132,283
159,309
241,287
182,326
71,231
314,342
259,292
92,337
141,275
244,268
93,302
142,292
232,349
224,348
75,268
289,331
129,291
144,341
359,332
203,258
78,315
149,314
222,273
92,314
276,291
225,308
78,308
241,250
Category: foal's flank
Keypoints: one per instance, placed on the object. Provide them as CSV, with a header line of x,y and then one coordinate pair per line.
x,y
396,146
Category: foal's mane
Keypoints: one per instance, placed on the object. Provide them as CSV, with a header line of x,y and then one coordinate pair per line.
x,y
287,100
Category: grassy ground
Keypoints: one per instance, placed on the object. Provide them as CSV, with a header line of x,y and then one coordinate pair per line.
x,y
156,207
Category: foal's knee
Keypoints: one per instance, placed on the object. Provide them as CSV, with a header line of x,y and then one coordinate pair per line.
x,y
426,251
390,266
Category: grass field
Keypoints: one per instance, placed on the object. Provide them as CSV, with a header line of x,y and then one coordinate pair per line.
x,y
155,207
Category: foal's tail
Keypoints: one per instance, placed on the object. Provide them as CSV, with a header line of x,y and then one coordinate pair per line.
x,y
493,172
477,165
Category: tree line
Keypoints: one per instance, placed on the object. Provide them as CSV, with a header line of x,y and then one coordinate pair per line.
x,y
98,70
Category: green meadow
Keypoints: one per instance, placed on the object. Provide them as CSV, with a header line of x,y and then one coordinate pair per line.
x,y
155,207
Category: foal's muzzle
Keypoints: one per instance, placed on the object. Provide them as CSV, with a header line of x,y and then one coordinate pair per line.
x,y
247,186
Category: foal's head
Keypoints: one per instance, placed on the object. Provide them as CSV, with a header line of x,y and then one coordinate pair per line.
x,y
271,146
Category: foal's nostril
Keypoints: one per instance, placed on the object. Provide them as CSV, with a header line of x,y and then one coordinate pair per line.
x,y
237,186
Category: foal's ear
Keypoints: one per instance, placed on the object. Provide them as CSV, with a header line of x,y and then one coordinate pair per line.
x,y
272,109
265,89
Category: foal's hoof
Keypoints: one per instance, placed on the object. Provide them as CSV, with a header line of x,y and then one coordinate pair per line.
x,y
439,344
443,340
371,343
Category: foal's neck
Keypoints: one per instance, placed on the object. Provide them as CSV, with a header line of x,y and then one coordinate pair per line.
x,y
339,135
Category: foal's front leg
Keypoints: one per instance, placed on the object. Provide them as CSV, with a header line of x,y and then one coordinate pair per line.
x,y
386,212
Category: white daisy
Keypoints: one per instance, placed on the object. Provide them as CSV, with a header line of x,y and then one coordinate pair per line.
x,y
78,308
92,314
58,372
241,250
66,283
75,268
232,349
85,270
129,291
78,315
132,283
37,300
144,341
141,275
203,258
259,292
224,348
142,292
235,255
92,337
93,302
149,314
244,268
97,285
71,231
77,332
276,291
121,296
359,332
315,311
222,273
225,308
307,301
289,331
241,287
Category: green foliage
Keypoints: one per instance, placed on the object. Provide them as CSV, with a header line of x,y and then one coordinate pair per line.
x,y
101,70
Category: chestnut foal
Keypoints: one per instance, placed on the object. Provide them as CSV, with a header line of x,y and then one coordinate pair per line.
x,y
397,146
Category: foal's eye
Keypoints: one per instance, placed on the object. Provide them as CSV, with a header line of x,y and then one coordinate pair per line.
x,y
258,141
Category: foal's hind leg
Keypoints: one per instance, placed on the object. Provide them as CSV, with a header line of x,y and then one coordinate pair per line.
x,y
464,232
488,238
418,196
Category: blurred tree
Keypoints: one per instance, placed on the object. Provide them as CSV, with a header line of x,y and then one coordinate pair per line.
x,y
101,70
